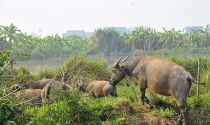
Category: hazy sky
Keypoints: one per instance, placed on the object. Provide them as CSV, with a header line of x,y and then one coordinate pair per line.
x,y
58,16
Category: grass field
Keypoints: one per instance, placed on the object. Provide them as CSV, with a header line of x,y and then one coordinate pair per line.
x,y
124,109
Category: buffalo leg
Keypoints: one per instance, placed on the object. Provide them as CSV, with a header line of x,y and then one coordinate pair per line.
x,y
183,109
146,100
143,97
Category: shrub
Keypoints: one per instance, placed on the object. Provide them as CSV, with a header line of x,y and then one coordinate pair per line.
x,y
46,73
68,111
6,112
79,69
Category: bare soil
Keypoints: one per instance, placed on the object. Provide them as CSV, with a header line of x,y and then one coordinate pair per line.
x,y
143,117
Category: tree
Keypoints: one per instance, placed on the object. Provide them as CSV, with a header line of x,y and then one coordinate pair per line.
x,y
3,42
206,36
195,38
11,33
150,38
138,39
26,41
169,38
106,40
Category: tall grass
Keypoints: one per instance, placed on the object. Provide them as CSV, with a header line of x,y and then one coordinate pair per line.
x,y
79,69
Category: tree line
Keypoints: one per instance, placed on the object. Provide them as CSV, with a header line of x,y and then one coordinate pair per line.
x,y
104,40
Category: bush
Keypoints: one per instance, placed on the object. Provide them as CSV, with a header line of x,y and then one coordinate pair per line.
x,y
199,108
79,69
6,112
46,73
68,111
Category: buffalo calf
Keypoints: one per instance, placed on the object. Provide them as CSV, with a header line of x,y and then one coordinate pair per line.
x,y
35,84
53,89
98,88
32,95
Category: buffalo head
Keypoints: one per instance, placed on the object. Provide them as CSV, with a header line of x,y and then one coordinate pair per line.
x,y
118,71
16,87
79,87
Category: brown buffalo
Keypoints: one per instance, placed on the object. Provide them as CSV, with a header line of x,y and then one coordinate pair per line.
x,y
159,75
35,84
32,96
98,88
52,91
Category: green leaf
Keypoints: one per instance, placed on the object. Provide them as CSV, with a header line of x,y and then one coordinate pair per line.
x,y
7,113
10,123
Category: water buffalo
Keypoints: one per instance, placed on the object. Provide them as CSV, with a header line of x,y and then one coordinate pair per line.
x,y
52,91
98,88
35,84
32,95
160,75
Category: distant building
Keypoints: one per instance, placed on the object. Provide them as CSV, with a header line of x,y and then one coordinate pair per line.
x,y
64,34
128,30
33,34
190,28
88,34
144,27
80,33
208,27
131,29
119,29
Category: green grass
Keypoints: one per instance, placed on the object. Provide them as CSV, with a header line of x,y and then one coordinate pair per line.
x,y
105,110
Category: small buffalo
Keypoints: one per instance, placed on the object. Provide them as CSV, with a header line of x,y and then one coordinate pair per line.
x,y
35,84
52,91
98,88
32,96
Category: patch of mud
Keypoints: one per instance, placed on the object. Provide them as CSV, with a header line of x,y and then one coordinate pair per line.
x,y
128,109
143,117
146,118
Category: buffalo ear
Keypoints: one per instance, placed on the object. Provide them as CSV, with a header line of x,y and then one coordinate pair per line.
x,y
123,66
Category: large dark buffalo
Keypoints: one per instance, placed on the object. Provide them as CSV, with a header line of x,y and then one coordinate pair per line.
x,y
98,88
52,91
159,75
35,84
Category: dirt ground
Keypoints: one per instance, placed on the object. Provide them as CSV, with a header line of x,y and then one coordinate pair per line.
x,y
143,117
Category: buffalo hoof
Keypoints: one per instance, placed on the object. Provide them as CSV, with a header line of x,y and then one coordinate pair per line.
x,y
146,100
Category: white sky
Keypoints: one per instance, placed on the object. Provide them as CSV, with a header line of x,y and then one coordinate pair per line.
x,y
58,16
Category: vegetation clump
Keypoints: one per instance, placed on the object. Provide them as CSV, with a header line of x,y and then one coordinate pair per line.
x,y
79,69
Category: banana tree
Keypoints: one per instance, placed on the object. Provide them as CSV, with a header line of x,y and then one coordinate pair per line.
x,y
25,42
150,38
168,38
138,39
180,38
195,38
206,36
3,41
126,38
106,40
11,33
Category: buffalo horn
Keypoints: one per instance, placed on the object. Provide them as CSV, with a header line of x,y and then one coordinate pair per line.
x,y
125,58
115,65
